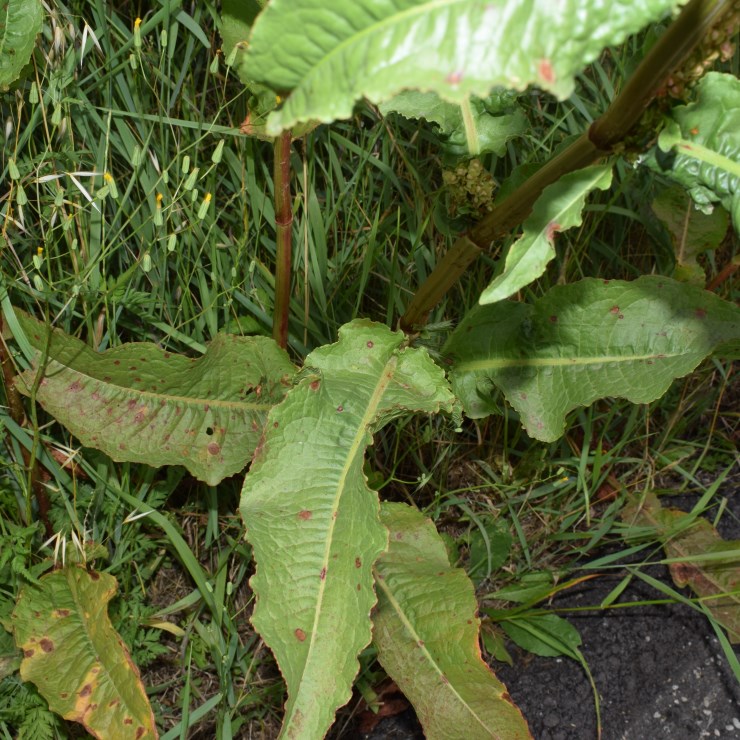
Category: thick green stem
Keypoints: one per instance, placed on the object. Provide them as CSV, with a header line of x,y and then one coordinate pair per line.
x,y
284,238
669,52
667,55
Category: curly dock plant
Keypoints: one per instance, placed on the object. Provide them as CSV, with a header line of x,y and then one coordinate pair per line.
x,y
336,568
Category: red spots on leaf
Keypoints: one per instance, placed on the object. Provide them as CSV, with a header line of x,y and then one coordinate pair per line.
x,y
133,367
445,679
358,563
131,405
46,645
552,228
116,362
614,310
28,653
370,345
314,385
128,721
545,71
121,446
700,313
454,78
63,695
340,408
61,613
694,131
420,643
76,386
399,535
553,319
322,575
305,515
140,416
86,690
523,396
213,448
621,316
300,634
94,576
359,587
140,732
275,425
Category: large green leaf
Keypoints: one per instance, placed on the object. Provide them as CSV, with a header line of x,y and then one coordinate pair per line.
x,y
20,23
75,657
327,55
312,520
426,631
702,142
139,403
469,128
557,209
586,341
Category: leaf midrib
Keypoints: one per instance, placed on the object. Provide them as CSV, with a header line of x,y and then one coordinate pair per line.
x,y
169,399
420,643
363,426
100,656
506,362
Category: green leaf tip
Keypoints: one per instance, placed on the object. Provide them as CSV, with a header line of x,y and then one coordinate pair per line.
x,y
312,520
558,208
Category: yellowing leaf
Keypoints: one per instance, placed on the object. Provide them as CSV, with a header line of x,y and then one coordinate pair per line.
x,y
75,657
709,565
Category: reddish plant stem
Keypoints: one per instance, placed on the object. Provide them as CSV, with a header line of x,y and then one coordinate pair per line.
x,y
723,276
605,134
284,238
